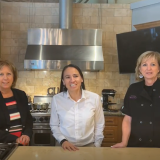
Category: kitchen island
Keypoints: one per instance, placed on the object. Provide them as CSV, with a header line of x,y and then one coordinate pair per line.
x,y
84,153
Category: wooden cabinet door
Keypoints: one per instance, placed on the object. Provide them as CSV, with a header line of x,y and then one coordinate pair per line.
x,y
110,134
112,131
111,121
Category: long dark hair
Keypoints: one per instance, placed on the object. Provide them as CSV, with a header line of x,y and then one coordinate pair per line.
x,y
63,87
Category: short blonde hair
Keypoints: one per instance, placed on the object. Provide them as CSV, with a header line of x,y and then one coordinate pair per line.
x,y
145,55
12,68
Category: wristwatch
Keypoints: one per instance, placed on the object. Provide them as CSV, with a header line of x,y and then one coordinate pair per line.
x,y
63,140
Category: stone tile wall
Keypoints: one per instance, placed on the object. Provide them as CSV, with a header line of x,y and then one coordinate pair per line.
x,y
17,17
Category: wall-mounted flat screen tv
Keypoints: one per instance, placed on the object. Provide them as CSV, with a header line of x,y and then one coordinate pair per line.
x,y
131,45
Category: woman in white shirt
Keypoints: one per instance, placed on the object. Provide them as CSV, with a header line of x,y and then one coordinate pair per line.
x,y
77,117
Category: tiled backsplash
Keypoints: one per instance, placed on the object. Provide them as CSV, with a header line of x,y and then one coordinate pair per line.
x,y
17,17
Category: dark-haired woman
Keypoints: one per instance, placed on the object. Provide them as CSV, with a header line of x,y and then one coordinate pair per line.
x,y
15,118
77,117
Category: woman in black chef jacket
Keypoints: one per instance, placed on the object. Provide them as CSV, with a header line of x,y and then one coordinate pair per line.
x,y
141,123
15,118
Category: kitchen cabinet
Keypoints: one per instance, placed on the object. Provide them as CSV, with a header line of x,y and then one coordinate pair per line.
x,y
112,131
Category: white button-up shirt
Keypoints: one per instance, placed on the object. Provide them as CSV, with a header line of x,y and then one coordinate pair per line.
x,y
80,122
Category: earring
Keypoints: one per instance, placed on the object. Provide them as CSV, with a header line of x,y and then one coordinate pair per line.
x,y
140,76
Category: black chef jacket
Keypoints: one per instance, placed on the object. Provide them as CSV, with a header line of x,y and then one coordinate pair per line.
x,y
145,113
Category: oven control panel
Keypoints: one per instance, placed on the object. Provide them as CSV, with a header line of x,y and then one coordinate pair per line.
x,y
41,119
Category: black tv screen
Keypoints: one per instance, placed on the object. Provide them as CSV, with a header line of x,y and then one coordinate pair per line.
x,y
131,45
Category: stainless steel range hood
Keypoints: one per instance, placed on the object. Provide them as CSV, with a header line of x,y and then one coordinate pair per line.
x,y
52,49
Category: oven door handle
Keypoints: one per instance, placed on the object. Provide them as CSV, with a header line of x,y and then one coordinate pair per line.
x,y
41,128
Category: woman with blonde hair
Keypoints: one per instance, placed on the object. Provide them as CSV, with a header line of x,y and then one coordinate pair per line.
x,y
141,123
15,118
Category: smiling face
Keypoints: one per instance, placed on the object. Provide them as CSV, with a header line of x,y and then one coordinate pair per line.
x,y
149,68
72,79
6,78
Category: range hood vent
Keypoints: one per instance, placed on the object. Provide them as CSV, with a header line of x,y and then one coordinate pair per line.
x,y
52,49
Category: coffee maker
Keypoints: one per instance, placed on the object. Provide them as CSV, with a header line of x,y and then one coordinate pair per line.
x,y
105,95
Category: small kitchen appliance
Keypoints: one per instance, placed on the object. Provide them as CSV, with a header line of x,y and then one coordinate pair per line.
x,y
106,93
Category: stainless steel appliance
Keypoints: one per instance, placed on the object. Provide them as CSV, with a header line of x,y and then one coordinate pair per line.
x,y
42,135
54,48
106,102
6,149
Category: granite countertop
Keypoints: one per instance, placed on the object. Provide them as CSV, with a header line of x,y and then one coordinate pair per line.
x,y
107,113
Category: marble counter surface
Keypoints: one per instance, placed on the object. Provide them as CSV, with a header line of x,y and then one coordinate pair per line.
x,y
84,153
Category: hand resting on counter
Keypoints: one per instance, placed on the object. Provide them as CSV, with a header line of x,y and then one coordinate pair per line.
x,y
126,130
119,145
69,146
24,140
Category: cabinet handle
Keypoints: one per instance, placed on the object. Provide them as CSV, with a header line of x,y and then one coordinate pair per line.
x,y
109,134
109,121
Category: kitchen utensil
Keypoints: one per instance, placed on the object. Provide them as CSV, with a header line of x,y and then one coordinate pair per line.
x,y
115,107
44,106
40,106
